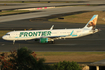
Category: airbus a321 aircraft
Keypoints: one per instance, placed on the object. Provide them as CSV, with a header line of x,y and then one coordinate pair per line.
x,y
48,36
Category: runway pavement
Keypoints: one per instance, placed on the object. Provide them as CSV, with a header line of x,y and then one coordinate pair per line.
x,y
30,5
27,24
49,12
60,45
95,42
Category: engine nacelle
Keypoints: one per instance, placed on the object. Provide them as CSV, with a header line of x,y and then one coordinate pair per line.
x,y
43,40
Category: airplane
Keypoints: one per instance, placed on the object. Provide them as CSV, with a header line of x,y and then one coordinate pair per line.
x,y
48,36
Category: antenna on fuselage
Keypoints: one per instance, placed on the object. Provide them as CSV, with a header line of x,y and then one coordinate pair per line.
x,y
52,27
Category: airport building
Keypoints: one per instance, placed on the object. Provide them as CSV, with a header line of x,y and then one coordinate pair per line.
x,y
99,65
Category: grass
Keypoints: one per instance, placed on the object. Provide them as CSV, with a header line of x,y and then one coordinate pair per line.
x,y
13,12
3,32
81,18
70,56
68,53
73,56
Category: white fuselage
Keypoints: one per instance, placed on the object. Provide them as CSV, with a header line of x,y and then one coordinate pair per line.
x,y
45,36
37,34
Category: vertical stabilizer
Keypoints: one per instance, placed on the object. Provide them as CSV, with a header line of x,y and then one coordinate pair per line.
x,y
92,23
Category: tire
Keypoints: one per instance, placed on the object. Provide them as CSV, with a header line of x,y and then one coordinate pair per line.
x,y
51,42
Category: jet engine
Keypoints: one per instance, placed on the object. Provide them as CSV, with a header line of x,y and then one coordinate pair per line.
x,y
43,40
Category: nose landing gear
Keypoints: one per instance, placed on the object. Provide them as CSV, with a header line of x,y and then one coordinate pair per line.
x,y
13,41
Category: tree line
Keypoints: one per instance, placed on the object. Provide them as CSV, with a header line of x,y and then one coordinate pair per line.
x,y
25,59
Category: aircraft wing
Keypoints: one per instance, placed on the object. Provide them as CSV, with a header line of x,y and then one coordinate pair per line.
x,y
55,37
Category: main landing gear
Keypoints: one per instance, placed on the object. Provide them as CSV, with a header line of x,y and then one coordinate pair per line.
x,y
51,42
13,41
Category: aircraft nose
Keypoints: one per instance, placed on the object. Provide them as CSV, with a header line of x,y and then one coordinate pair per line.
x,y
4,37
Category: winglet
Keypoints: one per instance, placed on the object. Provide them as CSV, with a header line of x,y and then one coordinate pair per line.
x,y
52,27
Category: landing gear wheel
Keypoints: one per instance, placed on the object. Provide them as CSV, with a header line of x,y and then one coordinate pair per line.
x,y
51,42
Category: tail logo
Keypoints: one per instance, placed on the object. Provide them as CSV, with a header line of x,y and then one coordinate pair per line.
x,y
93,22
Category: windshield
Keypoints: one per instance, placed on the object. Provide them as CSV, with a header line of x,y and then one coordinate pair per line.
x,y
7,34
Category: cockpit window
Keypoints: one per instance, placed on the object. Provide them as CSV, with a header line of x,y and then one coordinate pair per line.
x,y
7,34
